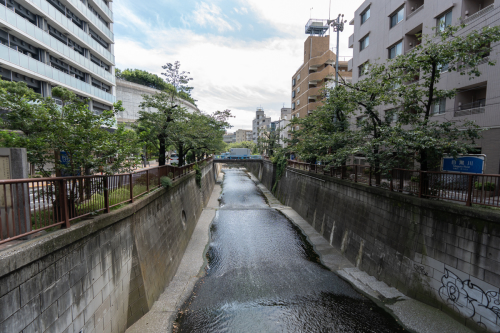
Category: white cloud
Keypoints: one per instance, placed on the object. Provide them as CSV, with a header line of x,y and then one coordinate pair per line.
x,y
230,73
210,15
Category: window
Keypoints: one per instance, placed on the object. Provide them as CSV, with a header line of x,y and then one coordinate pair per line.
x,y
293,106
298,89
363,43
439,106
298,77
365,15
293,82
293,94
397,17
443,68
359,121
391,115
443,21
362,69
396,50
298,102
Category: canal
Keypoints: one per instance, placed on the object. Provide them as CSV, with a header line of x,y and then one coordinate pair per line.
x,y
262,275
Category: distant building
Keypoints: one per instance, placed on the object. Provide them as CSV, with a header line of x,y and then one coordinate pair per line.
x,y
260,122
131,95
317,71
230,138
286,115
243,135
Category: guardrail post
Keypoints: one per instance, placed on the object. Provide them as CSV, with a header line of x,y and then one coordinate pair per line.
x,y
147,180
64,203
106,194
469,192
131,179
401,180
355,173
420,182
370,177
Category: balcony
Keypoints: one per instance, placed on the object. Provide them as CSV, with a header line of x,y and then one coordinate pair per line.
x,y
46,9
349,65
326,58
414,6
14,59
351,41
472,10
469,109
327,72
54,44
104,8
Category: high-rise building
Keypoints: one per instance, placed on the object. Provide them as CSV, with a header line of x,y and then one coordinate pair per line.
x,y
317,71
283,126
385,29
260,122
67,43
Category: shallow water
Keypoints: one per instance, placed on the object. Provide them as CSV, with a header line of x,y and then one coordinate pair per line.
x,y
264,276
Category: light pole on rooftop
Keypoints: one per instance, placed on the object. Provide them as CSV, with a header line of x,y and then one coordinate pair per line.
x,y
338,27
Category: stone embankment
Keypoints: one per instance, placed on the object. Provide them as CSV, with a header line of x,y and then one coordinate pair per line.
x,y
443,254
102,274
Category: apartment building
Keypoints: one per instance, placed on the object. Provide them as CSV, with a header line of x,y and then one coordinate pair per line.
x,y
384,29
282,126
260,121
68,43
229,138
243,135
317,70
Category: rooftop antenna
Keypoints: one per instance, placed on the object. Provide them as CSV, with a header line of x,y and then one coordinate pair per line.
x,y
310,13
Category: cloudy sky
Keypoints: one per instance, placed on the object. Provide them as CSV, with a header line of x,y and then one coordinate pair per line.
x,y
241,53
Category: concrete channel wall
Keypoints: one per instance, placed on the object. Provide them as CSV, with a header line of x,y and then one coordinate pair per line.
x,y
440,253
103,274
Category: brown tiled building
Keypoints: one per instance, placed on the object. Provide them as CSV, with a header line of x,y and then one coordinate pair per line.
x,y
317,71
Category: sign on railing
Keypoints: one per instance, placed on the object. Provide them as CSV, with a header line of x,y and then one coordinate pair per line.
x,y
468,164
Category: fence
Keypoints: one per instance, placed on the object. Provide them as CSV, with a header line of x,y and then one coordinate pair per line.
x,y
28,206
452,186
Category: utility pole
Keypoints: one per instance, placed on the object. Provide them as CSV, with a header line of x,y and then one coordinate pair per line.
x,y
338,27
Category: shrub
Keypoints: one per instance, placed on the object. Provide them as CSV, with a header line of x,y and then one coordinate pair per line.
x,y
166,182
488,186
198,174
415,179
170,175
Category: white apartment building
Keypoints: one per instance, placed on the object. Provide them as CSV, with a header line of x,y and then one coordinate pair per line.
x,y
67,43
260,121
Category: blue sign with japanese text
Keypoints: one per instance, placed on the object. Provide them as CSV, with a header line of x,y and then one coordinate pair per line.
x,y
469,164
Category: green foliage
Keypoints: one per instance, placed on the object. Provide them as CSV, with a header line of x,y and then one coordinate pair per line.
x,y
488,186
47,128
415,179
150,80
281,162
352,123
166,182
198,175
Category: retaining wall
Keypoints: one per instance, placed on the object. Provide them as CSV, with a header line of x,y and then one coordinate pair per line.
x,y
103,274
443,254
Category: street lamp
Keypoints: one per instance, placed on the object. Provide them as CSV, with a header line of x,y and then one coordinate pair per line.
x,y
338,27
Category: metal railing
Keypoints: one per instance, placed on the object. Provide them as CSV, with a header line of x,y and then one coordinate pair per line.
x,y
28,206
468,109
462,187
414,12
478,14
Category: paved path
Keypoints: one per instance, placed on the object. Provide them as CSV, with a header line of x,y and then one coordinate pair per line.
x,y
414,315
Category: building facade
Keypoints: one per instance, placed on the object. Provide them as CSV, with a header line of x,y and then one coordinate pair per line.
x,y
317,71
243,135
384,29
229,138
286,114
260,122
67,43
131,95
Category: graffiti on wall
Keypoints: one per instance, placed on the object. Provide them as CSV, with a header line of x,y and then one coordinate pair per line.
x,y
469,299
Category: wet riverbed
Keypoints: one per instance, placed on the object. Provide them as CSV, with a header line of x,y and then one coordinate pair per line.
x,y
263,276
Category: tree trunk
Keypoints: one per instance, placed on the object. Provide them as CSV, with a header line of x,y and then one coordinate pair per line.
x,y
162,151
181,155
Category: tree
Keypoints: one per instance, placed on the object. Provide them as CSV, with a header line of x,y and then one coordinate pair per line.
x,y
420,71
268,141
244,144
71,129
